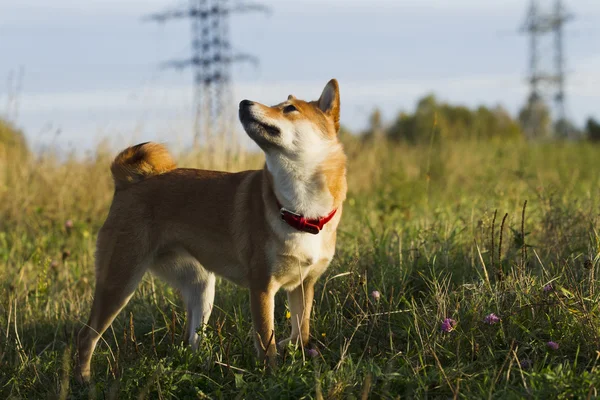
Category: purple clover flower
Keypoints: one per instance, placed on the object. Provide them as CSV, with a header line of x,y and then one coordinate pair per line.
x,y
552,345
375,295
548,288
312,353
448,325
491,319
526,363
69,224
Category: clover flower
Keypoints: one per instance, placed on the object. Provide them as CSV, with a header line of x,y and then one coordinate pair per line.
x,y
491,319
312,353
448,325
526,363
552,345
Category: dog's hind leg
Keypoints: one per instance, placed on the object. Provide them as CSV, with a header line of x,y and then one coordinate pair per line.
x,y
118,274
196,284
199,298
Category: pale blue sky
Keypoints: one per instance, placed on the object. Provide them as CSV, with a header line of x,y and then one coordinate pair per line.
x,y
92,67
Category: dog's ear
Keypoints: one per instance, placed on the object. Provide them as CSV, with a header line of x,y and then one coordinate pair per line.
x,y
329,102
291,97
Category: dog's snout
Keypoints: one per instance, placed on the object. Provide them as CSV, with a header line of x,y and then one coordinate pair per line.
x,y
245,103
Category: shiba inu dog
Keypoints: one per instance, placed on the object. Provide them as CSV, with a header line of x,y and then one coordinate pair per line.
x,y
264,229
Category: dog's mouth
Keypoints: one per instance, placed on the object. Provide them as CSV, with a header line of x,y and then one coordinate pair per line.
x,y
261,129
253,124
270,129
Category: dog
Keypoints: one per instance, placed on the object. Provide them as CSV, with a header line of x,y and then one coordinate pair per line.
x,y
262,229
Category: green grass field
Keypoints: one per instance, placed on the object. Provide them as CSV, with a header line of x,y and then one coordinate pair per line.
x,y
424,227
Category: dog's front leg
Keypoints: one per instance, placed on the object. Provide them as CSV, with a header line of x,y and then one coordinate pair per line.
x,y
300,300
262,304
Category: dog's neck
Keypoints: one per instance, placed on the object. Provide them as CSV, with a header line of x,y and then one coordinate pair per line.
x,y
311,185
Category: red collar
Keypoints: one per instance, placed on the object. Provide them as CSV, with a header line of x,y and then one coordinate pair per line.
x,y
303,224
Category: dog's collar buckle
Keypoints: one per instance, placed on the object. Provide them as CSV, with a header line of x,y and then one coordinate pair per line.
x,y
284,211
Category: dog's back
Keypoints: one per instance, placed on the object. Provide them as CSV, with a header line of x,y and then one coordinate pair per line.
x,y
161,207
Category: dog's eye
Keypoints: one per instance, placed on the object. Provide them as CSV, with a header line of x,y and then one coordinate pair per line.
x,y
289,108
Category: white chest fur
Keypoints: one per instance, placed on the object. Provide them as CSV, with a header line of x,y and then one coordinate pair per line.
x,y
300,255
298,186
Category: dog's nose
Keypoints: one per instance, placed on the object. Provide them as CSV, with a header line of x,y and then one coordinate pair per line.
x,y
245,103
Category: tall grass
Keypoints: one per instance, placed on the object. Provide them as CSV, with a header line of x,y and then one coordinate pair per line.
x,y
422,239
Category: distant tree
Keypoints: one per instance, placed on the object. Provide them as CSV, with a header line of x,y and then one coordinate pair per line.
x,y
376,130
565,129
12,142
426,118
592,130
418,126
496,123
403,128
455,121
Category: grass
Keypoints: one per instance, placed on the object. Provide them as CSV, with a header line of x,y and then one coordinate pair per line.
x,y
422,226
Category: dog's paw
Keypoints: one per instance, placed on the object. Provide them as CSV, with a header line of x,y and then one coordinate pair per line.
x,y
83,377
294,340
283,344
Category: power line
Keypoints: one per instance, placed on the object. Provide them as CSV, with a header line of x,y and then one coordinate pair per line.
x,y
211,59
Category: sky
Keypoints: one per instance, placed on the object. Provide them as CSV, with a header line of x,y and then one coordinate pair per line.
x,y
73,73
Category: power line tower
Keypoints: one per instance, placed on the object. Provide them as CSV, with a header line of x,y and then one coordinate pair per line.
x,y
211,60
540,24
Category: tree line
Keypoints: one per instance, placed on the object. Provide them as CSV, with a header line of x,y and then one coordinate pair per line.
x,y
448,121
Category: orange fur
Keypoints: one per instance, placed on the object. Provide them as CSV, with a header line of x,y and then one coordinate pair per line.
x,y
334,171
139,162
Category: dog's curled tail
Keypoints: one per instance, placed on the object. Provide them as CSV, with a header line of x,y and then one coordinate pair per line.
x,y
136,163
